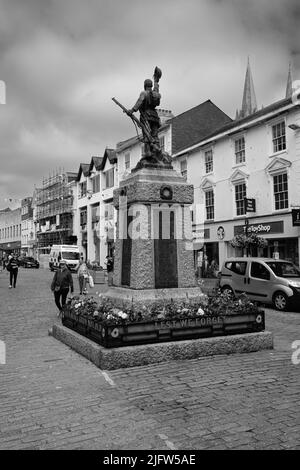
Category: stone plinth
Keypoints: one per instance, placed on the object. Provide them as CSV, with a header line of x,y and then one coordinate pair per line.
x,y
132,356
144,186
154,248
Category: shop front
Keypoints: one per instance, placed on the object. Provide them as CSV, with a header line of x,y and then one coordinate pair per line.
x,y
283,248
206,254
280,230
282,236
10,247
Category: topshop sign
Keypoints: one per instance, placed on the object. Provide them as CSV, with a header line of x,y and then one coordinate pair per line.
x,y
264,228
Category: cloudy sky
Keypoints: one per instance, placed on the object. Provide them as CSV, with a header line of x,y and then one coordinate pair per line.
x,y
63,60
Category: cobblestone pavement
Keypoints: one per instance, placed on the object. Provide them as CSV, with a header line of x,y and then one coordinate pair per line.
x,y
52,398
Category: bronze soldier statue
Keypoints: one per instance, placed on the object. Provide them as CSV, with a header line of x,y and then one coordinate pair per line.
x,y
146,104
149,121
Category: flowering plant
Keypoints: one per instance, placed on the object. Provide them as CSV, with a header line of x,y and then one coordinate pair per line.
x,y
248,241
102,310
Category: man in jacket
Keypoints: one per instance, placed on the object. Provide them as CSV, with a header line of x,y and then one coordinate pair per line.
x,y
13,268
61,284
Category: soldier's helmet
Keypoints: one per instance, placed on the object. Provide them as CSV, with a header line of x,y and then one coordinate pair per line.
x,y
148,83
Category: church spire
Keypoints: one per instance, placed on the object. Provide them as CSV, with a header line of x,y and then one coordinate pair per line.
x,y
249,105
289,91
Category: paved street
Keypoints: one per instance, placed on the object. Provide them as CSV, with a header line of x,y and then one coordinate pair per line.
x,y
52,398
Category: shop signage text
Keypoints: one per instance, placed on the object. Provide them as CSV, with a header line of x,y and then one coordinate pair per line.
x,y
201,234
263,228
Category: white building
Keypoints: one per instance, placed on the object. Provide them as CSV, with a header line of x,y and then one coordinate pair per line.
x,y
94,218
256,156
10,231
28,238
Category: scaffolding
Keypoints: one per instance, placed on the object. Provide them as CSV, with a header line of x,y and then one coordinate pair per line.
x,y
54,206
55,197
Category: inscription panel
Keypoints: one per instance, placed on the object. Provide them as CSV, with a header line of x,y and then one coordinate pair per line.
x,y
126,254
165,257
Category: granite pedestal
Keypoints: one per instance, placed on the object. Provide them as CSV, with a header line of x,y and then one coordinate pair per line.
x,y
154,249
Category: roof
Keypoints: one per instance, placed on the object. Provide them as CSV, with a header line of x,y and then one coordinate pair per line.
x,y
97,162
268,109
195,124
188,127
83,168
230,127
109,154
127,143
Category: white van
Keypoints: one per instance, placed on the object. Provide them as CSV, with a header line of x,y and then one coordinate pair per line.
x,y
264,280
68,253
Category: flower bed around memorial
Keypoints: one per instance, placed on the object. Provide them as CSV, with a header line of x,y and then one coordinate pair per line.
x,y
98,319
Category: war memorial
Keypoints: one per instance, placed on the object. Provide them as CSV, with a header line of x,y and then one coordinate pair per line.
x,y
155,310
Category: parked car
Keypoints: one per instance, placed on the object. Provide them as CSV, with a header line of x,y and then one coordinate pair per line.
x,y
264,280
29,262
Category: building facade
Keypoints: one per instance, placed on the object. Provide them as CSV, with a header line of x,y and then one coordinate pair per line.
x,y
94,214
255,157
54,211
28,239
10,231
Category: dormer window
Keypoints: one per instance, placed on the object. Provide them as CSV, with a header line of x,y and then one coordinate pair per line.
x,y
127,161
183,168
162,143
96,183
109,178
82,191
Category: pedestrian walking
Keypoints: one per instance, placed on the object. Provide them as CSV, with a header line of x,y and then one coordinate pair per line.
x,y
5,261
12,267
83,276
61,284
110,268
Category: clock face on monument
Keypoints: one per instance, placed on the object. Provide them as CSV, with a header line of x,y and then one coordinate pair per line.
x,y
166,192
